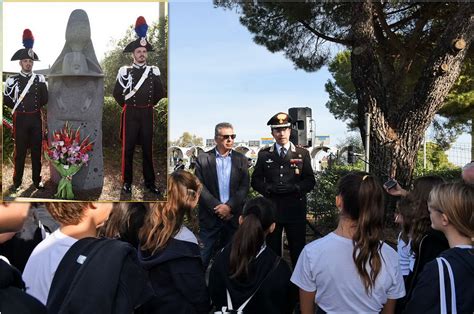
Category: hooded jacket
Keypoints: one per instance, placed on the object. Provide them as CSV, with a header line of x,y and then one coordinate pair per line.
x,y
13,298
177,276
99,276
426,294
276,294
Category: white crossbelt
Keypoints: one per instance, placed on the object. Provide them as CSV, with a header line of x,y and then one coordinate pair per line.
x,y
139,84
23,93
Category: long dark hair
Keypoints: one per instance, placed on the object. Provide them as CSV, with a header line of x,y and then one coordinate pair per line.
x,y
362,197
421,217
125,221
165,219
258,215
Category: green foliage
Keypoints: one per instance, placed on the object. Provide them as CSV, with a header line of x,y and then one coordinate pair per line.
x,y
111,123
188,140
158,37
8,143
458,108
436,159
342,101
160,131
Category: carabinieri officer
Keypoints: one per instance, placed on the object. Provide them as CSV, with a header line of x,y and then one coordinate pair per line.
x,y
25,94
138,89
283,174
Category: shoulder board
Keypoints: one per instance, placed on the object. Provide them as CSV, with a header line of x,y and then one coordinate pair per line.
x,y
266,149
156,70
41,78
123,70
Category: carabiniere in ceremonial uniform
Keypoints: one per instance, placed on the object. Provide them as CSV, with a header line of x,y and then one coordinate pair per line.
x,y
25,93
285,177
138,89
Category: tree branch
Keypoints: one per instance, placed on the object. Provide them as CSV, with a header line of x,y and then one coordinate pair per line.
x,y
344,42
396,43
397,25
401,10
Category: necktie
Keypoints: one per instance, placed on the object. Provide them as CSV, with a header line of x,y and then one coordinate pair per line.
x,y
282,152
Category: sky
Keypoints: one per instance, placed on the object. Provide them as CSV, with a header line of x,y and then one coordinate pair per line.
x,y
217,73
47,20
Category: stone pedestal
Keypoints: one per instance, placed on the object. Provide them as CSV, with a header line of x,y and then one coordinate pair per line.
x,y
76,96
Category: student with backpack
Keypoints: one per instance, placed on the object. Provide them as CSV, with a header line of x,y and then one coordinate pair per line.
x,y
95,275
77,220
445,284
351,269
169,251
247,275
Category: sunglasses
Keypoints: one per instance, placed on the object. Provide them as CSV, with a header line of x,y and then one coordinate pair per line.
x,y
227,137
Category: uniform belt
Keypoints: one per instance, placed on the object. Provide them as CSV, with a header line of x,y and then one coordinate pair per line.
x,y
28,112
137,106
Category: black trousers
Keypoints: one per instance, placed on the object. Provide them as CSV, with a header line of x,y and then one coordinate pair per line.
x,y
137,129
27,129
296,236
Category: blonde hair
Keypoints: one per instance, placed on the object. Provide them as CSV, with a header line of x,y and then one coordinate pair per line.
x,y
456,201
68,213
165,219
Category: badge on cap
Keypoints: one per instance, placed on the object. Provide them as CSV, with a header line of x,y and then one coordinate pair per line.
x,y
31,53
281,117
143,41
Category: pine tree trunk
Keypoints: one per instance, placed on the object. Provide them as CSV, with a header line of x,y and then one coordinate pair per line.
x,y
398,126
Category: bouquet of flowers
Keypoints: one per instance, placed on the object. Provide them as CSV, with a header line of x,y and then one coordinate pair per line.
x,y
67,153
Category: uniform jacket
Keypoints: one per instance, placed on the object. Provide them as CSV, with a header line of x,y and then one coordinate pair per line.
x,y
99,276
149,93
295,168
177,277
35,98
239,187
426,295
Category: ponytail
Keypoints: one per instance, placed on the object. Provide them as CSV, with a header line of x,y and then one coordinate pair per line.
x,y
257,217
363,202
368,236
247,242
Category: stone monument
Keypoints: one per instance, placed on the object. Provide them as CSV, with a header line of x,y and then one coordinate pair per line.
x,y
76,96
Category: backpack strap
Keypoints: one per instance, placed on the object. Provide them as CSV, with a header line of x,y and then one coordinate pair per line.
x,y
442,287
241,308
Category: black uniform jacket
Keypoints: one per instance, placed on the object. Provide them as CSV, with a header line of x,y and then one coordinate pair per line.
x,y
149,93
35,98
239,186
99,276
177,276
294,169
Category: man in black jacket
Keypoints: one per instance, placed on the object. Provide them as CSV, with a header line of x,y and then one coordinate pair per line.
x,y
223,173
25,94
283,174
138,89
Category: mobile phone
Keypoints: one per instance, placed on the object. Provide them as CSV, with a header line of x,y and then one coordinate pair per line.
x,y
390,184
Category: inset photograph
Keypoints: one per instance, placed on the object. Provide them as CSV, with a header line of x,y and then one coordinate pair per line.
x,y
85,101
